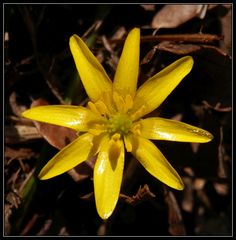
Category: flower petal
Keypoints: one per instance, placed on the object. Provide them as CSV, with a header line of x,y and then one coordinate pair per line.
x,y
155,90
125,80
108,173
76,117
92,74
155,163
70,156
166,129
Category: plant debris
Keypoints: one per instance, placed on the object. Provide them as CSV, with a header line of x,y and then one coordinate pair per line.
x,y
39,70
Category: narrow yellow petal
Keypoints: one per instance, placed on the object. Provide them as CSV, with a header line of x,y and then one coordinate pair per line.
x,y
108,173
75,117
70,156
171,130
155,162
92,74
155,90
125,80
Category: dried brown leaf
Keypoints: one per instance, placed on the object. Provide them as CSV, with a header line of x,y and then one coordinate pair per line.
x,y
199,183
171,43
57,136
148,7
177,48
226,24
148,57
183,49
171,16
221,188
176,225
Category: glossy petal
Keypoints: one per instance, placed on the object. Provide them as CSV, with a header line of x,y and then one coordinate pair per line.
x,y
155,90
171,130
125,80
70,156
108,172
75,117
92,74
155,163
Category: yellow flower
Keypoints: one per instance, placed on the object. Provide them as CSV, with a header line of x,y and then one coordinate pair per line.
x,y
113,121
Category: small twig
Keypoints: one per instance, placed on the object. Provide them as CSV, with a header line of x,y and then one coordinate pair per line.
x,y
45,228
217,107
195,38
143,194
13,178
88,197
188,197
30,224
113,61
48,77
63,232
95,27
221,168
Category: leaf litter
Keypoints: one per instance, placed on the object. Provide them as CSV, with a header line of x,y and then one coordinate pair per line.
x,y
39,70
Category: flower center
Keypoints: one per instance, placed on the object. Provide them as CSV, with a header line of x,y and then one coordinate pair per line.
x,y
119,123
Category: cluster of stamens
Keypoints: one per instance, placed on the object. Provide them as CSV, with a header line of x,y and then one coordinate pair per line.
x,y
116,109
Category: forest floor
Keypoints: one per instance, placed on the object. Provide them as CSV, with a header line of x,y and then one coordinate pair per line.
x,y
39,69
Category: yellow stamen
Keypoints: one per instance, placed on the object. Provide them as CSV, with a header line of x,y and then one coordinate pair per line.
x,y
102,108
128,103
139,113
119,102
136,129
93,108
127,142
115,137
107,98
